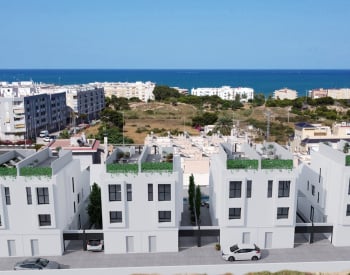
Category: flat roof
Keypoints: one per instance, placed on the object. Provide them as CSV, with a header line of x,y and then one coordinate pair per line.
x,y
66,145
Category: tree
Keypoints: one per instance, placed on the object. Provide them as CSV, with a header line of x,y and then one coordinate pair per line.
x,y
191,191
165,92
94,208
112,117
224,125
198,199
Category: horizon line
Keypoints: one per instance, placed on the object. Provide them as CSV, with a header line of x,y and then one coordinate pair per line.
x,y
197,69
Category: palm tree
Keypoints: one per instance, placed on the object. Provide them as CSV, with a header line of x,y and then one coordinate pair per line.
x,y
224,125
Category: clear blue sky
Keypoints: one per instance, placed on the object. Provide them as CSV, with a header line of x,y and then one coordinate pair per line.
x,y
204,34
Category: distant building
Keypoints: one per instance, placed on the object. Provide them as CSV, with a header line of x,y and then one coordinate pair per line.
x,y
226,93
343,93
285,93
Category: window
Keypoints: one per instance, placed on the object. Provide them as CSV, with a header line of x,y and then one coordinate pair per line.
x,y
349,188
29,195
235,189
348,210
129,192
312,213
43,195
7,195
115,193
164,192
269,188
73,185
308,185
164,216
249,188
283,188
313,190
150,192
282,212
0,221
78,197
318,197
234,213
115,216
74,207
44,220
319,177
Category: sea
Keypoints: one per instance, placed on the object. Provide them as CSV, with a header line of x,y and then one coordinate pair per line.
x,y
262,81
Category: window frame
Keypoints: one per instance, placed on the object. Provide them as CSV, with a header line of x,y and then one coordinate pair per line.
x,y
348,210
281,213
116,194
164,216
7,195
42,194
29,195
164,192
44,218
269,188
284,188
235,190
129,192
150,191
234,213
115,216
249,189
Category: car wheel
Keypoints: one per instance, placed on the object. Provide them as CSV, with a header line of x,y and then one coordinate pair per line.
x,y
231,259
255,258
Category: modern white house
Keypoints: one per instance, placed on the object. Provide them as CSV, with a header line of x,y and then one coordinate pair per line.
x,y
226,92
141,194
324,190
253,195
41,194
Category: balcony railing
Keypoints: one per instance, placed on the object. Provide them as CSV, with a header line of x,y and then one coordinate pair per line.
x,y
122,168
11,171
242,164
276,164
156,166
36,171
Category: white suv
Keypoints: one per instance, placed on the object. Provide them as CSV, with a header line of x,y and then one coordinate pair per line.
x,y
242,252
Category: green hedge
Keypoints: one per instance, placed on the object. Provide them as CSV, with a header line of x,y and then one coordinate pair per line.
x,y
347,160
276,164
122,168
4,171
242,164
157,166
36,171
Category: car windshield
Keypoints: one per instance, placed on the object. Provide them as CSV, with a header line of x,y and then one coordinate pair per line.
x,y
43,262
94,242
234,248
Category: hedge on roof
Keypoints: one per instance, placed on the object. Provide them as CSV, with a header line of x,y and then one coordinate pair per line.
x,y
276,164
122,168
156,166
242,164
11,171
36,171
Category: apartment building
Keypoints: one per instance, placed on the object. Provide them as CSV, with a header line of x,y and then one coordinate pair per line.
x,y
343,93
285,93
85,101
41,194
253,195
24,111
226,93
141,194
138,89
324,187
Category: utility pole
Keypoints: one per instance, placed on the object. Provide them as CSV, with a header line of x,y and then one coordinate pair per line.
x,y
268,114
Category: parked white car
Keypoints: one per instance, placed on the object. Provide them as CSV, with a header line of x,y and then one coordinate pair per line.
x,y
239,252
44,133
94,245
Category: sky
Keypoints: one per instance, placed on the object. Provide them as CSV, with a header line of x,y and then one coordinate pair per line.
x,y
175,34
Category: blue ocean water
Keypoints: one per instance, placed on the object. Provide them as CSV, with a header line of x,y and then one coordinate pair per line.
x,y
262,81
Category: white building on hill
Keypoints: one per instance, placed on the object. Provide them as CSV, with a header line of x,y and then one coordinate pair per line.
x,y
226,93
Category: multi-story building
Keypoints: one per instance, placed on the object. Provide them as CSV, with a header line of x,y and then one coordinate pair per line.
x,y
41,195
226,93
343,93
85,100
141,194
140,90
253,195
285,93
324,187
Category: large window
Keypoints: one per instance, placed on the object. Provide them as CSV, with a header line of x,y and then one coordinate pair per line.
x,y
234,213
164,192
249,189
43,195
115,216
235,189
164,216
129,192
44,220
7,196
283,188
150,191
29,195
282,212
269,188
115,193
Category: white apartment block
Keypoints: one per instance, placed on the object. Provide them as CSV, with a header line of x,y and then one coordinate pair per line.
x,y
253,195
225,92
141,194
140,90
41,195
285,93
324,187
343,93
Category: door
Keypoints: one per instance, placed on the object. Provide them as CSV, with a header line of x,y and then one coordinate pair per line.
x,y
129,244
246,238
11,245
268,239
152,243
35,247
